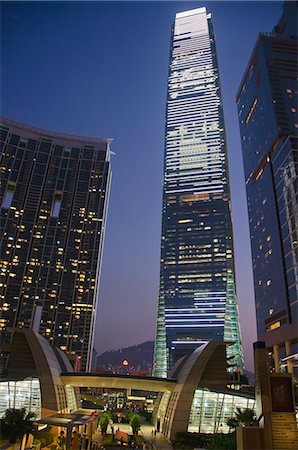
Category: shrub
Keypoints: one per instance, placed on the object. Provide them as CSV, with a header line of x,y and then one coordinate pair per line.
x,y
36,443
138,440
223,441
186,440
45,436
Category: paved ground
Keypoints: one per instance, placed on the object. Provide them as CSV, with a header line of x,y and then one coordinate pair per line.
x,y
157,442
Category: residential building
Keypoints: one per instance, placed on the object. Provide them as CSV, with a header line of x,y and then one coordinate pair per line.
x,y
267,107
53,206
197,300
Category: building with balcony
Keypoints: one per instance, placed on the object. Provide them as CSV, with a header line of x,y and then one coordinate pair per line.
x,y
53,207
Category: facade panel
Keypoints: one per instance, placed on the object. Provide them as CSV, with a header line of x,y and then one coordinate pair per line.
x,y
197,282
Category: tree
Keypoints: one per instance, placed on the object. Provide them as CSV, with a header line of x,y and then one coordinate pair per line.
x,y
233,423
104,421
243,418
135,424
16,422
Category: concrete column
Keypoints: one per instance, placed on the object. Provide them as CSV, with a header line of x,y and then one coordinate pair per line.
x,y
90,432
68,437
288,353
263,403
276,358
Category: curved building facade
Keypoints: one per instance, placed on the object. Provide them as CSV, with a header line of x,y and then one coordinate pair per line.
x,y
195,398
53,206
32,378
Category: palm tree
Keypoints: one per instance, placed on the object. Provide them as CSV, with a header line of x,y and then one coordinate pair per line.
x,y
135,424
16,422
104,421
243,418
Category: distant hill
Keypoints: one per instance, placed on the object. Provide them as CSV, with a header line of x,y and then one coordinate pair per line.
x,y
135,358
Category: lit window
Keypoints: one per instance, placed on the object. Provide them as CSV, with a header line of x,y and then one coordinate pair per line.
x,y
56,204
7,199
252,108
273,326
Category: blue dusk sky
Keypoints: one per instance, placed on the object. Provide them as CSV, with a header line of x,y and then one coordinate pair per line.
x,y
100,69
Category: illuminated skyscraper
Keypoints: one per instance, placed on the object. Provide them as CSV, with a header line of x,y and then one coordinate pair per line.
x,y
197,282
53,204
267,106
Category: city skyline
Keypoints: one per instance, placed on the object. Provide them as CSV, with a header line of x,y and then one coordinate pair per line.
x,y
116,252
197,295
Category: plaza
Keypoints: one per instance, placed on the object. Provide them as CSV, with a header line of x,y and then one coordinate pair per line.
x,y
194,398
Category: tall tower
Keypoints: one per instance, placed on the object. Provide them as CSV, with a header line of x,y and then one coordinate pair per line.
x,y
53,204
267,106
197,300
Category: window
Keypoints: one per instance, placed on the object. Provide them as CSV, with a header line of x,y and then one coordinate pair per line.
x,y
252,108
56,204
23,143
273,326
7,199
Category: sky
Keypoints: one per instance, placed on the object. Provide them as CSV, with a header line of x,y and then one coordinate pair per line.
x,y
99,69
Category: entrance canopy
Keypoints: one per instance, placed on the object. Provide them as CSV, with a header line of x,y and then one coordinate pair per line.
x,y
68,420
117,381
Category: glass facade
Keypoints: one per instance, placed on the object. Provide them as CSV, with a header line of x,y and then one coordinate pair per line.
x,y
54,193
267,107
211,410
197,300
21,394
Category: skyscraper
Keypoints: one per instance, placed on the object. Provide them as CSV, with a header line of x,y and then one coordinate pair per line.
x,y
267,107
53,205
197,300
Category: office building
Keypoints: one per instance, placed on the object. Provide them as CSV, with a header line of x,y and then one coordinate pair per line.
x,y
197,300
267,107
54,194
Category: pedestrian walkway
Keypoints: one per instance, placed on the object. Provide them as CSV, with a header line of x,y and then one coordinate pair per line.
x,y
158,441
154,442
